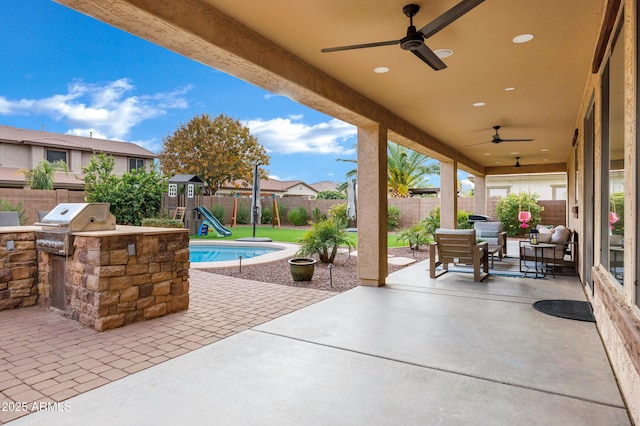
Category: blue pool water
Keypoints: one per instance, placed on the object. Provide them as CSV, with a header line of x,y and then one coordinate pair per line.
x,y
219,253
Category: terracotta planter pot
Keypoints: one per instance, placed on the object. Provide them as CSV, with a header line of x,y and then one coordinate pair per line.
x,y
302,268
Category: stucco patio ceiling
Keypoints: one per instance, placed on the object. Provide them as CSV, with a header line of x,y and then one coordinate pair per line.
x,y
276,45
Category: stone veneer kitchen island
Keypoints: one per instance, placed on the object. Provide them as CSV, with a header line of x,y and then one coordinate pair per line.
x,y
112,278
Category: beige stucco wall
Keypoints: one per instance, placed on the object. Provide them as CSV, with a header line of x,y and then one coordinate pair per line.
x,y
18,156
541,184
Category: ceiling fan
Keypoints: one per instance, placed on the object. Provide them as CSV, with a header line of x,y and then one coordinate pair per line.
x,y
414,40
497,139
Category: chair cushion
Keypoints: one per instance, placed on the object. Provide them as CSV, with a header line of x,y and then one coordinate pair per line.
x,y
488,226
487,234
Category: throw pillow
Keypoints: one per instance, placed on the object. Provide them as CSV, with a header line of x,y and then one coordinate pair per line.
x,y
561,235
545,234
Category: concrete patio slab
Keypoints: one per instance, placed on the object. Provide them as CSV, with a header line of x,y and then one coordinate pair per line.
x,y
256,378
445,351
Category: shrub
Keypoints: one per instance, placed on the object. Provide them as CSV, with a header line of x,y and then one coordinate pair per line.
x,y
282,212
133,196
6,206
218,212
415,235
339,212
463,220
298,216
162,223
432,222
265,215
243,215
393,217
323,240
508,208
317,215
331,195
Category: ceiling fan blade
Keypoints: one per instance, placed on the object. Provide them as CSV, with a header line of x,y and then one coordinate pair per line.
x,y
516,140
479,143
429,58
360,46
448,17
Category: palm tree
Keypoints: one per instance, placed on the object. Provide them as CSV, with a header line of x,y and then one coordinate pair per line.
x,y
405,169
41,177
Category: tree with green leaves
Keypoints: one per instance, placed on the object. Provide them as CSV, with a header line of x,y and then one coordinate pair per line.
x,y
331,195
219,150
133,197
405,169
42,176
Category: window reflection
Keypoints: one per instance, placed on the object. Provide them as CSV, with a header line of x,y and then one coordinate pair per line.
x,y
616,159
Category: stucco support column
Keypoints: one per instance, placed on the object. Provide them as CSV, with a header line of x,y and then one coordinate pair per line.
x,y
448,194
372,205
480,195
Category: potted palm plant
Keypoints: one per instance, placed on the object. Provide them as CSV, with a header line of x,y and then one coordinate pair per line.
x,y
322,240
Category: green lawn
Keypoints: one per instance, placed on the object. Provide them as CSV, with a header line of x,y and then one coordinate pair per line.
x,y
285,235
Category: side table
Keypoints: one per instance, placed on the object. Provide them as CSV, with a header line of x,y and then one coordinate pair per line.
x,y
540,263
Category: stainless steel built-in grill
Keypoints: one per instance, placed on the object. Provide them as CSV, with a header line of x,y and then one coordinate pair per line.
x,y
59,224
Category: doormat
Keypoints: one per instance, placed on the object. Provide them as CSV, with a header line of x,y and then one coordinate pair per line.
x,y
570,309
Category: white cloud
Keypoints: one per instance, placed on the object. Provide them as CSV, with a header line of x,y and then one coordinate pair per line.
x,y
87,133
467,183
109,110
283,136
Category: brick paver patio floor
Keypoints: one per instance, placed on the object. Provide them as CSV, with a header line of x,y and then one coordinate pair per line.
x,y
47,358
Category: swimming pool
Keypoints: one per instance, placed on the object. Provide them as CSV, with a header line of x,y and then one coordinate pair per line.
x,y
206,254
220,253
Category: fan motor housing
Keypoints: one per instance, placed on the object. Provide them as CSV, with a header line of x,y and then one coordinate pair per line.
x,y
412,42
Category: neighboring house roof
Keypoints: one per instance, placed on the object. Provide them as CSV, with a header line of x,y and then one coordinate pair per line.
x,y
267,185
36,137
325,185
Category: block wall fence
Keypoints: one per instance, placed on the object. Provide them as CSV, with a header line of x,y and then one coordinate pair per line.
x,y
412,210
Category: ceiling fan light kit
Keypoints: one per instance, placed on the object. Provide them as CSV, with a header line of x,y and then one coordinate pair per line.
x,y
414,40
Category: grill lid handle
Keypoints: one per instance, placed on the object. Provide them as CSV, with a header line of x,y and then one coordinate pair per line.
x,y
51,225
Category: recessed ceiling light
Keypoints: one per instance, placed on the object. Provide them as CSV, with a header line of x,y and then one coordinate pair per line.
x,y
522,38
381,70
497,162
546,159
509,89
479,104
443,53
544,150
487,153
515,153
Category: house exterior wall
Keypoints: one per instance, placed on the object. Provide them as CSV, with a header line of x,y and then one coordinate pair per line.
x,y
24,149
615,306
549,186
12,155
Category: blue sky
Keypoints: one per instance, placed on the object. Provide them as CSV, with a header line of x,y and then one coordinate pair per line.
x,y
73,74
